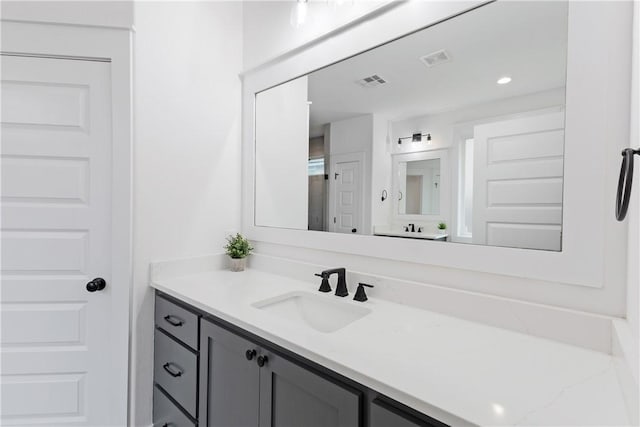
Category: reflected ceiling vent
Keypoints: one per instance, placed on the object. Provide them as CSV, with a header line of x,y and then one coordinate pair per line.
x,y
371,81
435,58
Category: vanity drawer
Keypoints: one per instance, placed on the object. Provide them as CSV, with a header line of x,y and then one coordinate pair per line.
x,y
177,321
176,371
166,413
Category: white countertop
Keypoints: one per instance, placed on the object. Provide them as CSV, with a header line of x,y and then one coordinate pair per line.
x,y
411,235
460,372
393,232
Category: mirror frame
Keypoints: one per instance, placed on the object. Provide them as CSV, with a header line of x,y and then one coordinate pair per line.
x,y
445,182
597,110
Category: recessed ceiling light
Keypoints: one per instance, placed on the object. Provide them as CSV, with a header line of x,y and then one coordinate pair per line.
x,y
504,80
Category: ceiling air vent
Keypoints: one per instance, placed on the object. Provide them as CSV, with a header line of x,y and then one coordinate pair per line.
x,y
371,81
435,58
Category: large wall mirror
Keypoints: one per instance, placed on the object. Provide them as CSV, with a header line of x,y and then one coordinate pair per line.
x,y
454,133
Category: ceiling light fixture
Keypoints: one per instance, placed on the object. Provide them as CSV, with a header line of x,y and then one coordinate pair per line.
x,y
504,80
299,13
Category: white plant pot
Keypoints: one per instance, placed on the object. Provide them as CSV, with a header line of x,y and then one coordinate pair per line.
x,y
238,264
441,231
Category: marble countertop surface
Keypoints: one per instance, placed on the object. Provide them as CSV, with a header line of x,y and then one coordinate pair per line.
x,y
460,372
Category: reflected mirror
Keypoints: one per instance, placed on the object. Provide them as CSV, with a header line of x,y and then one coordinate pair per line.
x,y
454,133
421,193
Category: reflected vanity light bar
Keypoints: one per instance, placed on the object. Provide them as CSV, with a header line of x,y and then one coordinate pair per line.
x,y
416,137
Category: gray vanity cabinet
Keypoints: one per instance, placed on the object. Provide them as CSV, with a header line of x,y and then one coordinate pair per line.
x,y
210,373
292,396
175,370
383,413
245,385
229,379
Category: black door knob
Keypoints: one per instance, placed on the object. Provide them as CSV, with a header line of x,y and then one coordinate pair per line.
x,y
353,230
262,360
250,354
96,284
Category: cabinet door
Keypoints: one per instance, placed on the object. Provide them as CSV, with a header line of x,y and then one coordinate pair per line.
x,y
291,396
229,383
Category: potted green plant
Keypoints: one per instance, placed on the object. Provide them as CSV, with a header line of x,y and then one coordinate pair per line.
x,y
442,227
238,249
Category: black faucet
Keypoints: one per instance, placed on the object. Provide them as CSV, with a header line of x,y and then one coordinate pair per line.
x,y
411,228
341,289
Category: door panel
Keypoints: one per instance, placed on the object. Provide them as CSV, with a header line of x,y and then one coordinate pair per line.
x,y
291,396
348,193
229,383
56,174
518,181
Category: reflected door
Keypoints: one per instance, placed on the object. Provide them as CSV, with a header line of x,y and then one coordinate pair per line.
x,y
518,173
347,186
56,237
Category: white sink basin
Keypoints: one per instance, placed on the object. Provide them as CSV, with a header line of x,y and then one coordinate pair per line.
x,y
323,313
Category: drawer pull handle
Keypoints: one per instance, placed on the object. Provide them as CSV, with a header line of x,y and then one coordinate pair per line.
x,y
173,320
167,367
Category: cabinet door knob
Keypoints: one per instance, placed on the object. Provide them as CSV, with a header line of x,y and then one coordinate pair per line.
x,y
250,354
262,360
96,284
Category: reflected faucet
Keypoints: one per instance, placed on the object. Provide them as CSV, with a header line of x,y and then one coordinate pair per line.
x,y
341,288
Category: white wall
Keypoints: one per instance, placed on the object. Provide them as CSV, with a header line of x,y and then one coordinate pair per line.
x,y
355,135
187,151
381,167
268,32
633,260
352,135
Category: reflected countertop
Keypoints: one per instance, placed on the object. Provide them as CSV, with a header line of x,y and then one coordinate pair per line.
x,y
460,372
390,232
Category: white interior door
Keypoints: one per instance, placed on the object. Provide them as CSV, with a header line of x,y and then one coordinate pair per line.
x,y
56,237
347,194
518,176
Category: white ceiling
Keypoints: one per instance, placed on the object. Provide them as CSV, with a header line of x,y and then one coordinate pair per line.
x,y
524,40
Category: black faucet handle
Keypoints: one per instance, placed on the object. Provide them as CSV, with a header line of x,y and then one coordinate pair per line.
x,y
361,295
324,287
